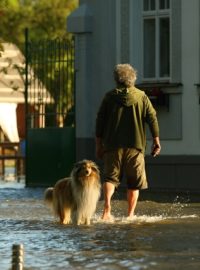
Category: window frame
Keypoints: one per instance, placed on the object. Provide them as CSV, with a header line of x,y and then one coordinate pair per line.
x,y
156,14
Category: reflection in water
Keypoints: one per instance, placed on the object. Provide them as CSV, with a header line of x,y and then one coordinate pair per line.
x,y
160,236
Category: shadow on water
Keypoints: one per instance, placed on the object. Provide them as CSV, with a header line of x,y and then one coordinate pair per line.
x,y
162,235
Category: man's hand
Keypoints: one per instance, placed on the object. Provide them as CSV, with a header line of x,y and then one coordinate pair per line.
x,y
156,147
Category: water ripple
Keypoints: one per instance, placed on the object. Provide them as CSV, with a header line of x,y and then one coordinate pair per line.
x,y
153,239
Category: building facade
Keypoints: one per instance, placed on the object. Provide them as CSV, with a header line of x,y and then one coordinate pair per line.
x,y
160,38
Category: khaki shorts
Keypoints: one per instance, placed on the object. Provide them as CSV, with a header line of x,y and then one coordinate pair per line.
x,y
128,163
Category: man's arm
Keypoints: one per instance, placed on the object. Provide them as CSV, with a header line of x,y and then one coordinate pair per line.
x,y
152,121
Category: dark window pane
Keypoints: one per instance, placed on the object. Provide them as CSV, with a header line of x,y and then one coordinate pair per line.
x,y
167,4
149,5
164,47
152,5
145,5
163,4
149,48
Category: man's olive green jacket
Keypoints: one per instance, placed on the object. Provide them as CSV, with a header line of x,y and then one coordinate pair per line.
x,y
121,119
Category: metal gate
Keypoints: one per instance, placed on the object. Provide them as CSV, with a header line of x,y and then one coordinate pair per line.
x,y
50,113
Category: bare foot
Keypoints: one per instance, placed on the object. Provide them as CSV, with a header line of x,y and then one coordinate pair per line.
x,y
131,217
107,215
107,218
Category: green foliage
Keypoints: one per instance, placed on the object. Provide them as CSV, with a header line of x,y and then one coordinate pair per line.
x,y
44,18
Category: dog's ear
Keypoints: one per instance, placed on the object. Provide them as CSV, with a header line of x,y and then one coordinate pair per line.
x,y
95,168
80,163
77,165
76,168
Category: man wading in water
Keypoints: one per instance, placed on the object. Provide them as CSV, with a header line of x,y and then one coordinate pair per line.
x,y
121,139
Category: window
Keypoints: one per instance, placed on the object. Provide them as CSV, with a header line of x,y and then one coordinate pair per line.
x,y
149,5
156,40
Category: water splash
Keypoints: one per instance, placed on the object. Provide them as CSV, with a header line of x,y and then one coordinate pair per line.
x,y
151,212
177,207
137,219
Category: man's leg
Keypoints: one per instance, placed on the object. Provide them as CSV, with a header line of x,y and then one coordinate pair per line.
x,y
108,189
132,197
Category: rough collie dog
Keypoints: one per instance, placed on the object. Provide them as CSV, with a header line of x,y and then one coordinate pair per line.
x,y
74,199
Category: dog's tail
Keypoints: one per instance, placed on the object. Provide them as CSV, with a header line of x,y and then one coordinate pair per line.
x,y
48,196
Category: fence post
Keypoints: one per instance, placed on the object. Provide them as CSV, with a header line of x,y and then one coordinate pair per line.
x,y
17,257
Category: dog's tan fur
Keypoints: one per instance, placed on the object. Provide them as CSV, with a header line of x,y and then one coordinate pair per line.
x,y
74,199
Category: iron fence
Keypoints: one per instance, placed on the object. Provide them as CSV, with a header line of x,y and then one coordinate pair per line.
x,y
49,91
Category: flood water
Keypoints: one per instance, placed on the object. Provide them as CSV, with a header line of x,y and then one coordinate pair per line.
x,y
163,235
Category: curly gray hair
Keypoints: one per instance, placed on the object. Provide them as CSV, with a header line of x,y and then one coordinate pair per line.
x,y
125,74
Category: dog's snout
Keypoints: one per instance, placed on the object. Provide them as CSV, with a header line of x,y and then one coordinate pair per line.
x,y
88,171
84,169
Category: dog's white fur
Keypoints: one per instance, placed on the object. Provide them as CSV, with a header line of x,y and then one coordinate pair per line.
x,y
74,199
